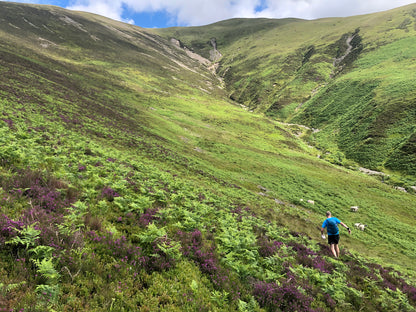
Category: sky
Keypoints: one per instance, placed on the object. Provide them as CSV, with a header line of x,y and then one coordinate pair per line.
x,y
169,13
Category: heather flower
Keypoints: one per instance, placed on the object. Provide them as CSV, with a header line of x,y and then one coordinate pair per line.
x,y
410,291
41,189
9,228
329,301
50,234
284,297
161,260
148,217
193,247
9,122
321,264
119,248
267,248
109,194
302,249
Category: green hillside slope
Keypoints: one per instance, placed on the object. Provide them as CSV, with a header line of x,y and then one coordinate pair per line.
x,y
131,182
332,74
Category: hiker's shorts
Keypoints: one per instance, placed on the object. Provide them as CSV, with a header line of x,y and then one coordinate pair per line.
x,y
333,239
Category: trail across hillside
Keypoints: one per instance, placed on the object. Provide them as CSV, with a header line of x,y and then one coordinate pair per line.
x,y
298,125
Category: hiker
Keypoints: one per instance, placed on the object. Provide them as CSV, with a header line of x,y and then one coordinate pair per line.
x,y
331,225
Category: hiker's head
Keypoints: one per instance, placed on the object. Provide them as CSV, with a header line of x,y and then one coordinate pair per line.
x,y
328,214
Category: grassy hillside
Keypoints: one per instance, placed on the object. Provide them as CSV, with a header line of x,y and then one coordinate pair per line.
x,y
130,182
299,71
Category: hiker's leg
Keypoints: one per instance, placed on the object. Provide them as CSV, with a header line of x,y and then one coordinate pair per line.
x,y
337,250
332,246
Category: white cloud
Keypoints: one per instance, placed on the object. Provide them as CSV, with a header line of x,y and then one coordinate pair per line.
x,y
312,9
109,8
200,12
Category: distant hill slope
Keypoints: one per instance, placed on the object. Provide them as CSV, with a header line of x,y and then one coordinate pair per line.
x,y
69,38
352,78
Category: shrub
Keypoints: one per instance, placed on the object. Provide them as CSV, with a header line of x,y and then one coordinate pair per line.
x,y
197,249
40,188
9,228
267,248
310,258
162,252
284,297
148,217
109,194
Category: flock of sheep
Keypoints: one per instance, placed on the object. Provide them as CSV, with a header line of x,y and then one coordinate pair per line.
x,y
359,226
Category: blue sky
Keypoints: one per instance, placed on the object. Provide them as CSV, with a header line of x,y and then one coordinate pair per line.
x,y
167,13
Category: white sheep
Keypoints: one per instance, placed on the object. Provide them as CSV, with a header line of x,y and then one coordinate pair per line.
x,y
360,226
354,208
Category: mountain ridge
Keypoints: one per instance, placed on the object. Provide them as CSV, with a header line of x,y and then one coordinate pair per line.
x,y
282,79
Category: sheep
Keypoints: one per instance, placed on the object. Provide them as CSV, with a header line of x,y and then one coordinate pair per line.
x,y
310,201
401,189
354,208
360,226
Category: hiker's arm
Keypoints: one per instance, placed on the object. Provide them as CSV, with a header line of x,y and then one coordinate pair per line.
x,y
344,225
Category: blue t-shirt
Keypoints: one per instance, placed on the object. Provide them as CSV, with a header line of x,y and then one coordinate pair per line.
x,y
331,226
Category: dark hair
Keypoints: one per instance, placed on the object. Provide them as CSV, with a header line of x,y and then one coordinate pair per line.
x,y
328,213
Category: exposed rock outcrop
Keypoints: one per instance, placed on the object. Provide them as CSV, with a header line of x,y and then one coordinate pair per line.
x,y
214,54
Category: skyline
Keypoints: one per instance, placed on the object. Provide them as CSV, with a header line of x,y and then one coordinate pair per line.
x,y
170,13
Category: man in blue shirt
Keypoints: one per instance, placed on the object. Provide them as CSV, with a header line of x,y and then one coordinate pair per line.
x,y
331,225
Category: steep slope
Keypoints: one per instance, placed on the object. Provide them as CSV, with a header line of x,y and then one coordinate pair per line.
x,y
84,40
129,182
226,33
320,73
